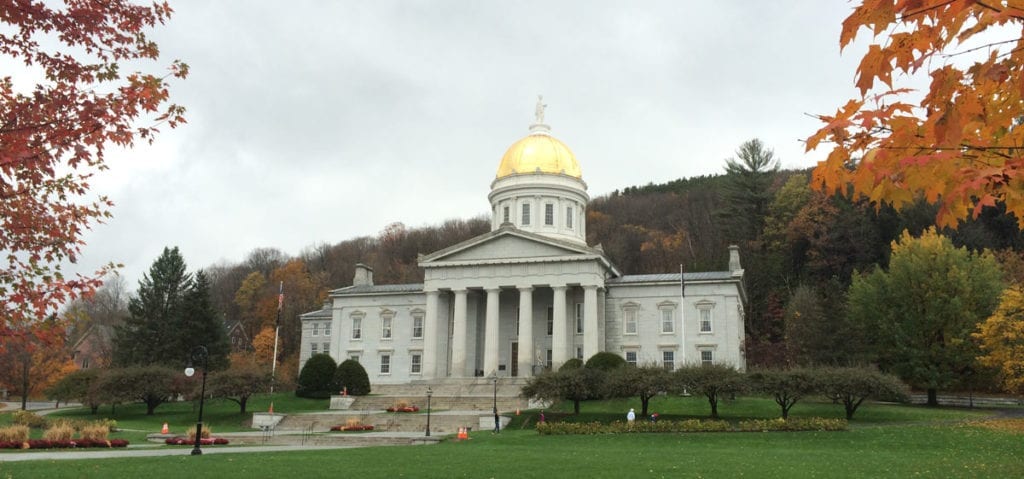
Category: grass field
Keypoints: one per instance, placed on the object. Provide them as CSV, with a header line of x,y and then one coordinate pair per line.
x,y
884,441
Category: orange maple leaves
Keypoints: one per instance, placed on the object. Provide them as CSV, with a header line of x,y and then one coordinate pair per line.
x,y
961,143
53,137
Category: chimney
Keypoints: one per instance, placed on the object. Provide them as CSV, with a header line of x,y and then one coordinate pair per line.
x,y
734,259
364,275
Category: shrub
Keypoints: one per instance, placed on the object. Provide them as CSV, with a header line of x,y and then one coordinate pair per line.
x,y
693,425
77,386
59,431
351,375
95,432
28,418
574,363
605,361
852,386
15,433
316,380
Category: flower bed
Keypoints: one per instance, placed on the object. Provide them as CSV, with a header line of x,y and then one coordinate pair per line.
x,y
403,409
62,444
353,427
206,441
694,425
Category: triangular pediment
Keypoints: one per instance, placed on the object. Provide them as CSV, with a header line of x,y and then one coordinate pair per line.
x,y
508,245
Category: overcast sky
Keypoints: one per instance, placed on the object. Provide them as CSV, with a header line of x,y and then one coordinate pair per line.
x,y
319,121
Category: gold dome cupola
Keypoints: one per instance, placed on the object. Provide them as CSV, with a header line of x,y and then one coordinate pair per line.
x,y
539,186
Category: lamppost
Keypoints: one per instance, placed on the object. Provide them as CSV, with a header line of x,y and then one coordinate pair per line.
x,y
497,421
199,355
430,392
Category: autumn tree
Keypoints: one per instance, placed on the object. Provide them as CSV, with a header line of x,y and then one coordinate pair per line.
x,y
54,136
239,382
957,144
33,362
785,386
1002,339
920,313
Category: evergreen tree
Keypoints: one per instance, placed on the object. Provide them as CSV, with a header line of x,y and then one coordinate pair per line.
x,y
201,325
747,191
152,332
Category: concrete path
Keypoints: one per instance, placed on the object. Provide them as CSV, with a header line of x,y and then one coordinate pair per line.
x,y
151,452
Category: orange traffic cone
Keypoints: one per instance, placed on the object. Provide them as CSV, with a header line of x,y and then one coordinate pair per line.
x,y
517,411
271,408
462,434
164,430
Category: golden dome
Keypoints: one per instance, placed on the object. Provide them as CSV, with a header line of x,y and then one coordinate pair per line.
x,y
539,153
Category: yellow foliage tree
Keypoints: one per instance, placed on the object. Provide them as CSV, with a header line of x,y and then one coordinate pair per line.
x,y
960,143
1002,339
263,346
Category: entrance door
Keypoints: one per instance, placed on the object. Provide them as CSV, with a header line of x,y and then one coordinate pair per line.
x,y
515,359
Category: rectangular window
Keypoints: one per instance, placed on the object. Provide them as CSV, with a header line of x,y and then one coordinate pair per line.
x,y
505,215
357,328
579,318
326,347
385,364
707,356
385,327
551,320
316,329
667,321
568,217
631,358
579,353
630,321
705,320
526,214
417,364
549,214
313,349
417,326
668,359
547,359
327,329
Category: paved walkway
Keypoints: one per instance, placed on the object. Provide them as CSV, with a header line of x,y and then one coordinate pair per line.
x,y
151,452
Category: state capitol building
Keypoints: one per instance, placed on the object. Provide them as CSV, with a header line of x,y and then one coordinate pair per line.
x,y
530,294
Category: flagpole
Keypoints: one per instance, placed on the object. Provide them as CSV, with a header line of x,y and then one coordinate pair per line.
x,y
682,313
277,329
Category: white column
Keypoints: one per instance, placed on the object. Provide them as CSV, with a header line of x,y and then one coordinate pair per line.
x,y
491,333
591,327
459,335
559,333
430,335
526,353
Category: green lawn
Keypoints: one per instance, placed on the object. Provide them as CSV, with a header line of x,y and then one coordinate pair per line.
x,y
884,441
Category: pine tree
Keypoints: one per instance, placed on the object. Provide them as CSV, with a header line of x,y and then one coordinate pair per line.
x,y
151,333
202,325
747,192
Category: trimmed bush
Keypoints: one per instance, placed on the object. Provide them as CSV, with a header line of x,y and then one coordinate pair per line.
x,y
351,375
205,433
574,363
693,425
16,433
605,361
316,380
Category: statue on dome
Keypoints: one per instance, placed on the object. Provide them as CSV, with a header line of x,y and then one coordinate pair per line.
x,y
539,111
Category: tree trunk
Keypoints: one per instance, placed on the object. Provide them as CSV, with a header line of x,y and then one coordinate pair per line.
x,y
242,401
576,406
644,401
714,407
933,397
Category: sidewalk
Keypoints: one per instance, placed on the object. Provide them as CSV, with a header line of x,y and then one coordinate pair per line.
x,y
152,452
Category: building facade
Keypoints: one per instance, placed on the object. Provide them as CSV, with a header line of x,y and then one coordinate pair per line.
x,y
530,294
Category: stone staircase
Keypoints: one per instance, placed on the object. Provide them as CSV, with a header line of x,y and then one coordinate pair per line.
x,y
454,403
471,394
